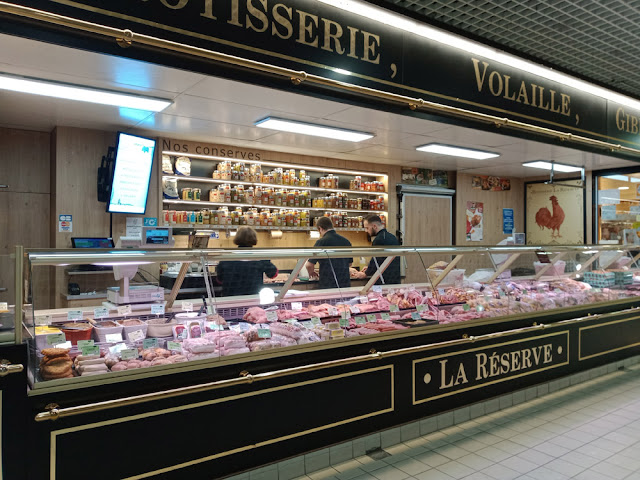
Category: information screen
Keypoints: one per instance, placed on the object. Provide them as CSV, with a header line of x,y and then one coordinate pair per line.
x,y
132,173
157,236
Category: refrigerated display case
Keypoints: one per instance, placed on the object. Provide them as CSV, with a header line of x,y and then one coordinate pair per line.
x,y
286,365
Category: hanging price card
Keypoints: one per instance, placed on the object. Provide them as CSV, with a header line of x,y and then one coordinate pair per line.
x,y
394,308
157,309
136,336
84,343
361,320
415,316
187,306
174,346
100,312
441,291
90,350
354,309
150,343
479,308
272,315
74,315
264,333
371,318
296,305
55,338
124,310
4,307
66,344
316,321
376,288
307,324
385,316
345,314
421,308
466,307
333,311
129,353
344,322
117,348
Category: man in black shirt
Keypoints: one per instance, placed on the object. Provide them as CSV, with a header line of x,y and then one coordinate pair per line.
x,y
333,272
374,227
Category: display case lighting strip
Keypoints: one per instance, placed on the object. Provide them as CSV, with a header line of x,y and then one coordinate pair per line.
x,y
274,164
275,185
325,209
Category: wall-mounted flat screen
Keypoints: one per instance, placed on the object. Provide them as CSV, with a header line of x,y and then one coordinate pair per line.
x,y
132,173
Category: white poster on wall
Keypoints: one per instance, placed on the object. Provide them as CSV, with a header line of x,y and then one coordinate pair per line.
x,y
65,223
134,227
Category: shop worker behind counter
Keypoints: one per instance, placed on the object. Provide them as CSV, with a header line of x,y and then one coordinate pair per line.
x,y
333,272
374,227
244,277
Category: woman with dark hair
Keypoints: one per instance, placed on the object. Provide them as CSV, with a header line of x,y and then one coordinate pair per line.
x,y
244,277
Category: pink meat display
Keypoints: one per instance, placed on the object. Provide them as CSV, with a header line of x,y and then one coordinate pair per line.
x,y
255,315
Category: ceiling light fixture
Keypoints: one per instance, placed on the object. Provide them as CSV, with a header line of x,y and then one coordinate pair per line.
x,y
623,188
312,129
456,151
621,178
557,167
80,93
418,28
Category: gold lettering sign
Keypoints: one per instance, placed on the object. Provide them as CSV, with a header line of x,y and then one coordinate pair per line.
x,y
498,84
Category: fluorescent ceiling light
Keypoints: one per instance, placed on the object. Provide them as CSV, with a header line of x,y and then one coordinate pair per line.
x,y
418,28
312,129
623,188
634,179
557,167
80,93
456,151
622,178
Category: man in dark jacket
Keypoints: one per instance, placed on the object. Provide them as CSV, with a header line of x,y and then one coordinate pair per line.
x,y
333,272
374,227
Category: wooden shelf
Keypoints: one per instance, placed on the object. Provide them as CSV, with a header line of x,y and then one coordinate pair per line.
x,y
277,207
255,227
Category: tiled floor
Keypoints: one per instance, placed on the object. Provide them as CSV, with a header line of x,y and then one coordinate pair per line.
x,y
590,431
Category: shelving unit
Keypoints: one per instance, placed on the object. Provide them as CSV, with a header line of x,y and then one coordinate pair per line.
x,y
277,207
200,226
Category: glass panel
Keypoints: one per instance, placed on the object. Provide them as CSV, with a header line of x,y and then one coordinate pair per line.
x,y
7,299
618,203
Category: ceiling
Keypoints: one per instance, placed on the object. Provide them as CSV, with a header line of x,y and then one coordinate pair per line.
x,y
214,110
598,40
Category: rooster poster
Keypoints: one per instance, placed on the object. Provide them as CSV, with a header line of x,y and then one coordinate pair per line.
x,y
474,221
555,213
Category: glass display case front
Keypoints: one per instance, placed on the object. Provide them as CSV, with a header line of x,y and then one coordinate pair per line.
x,y
141,325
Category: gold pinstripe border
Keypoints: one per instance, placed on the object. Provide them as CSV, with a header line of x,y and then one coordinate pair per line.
x,y
482,385
56,433
604,352
261,51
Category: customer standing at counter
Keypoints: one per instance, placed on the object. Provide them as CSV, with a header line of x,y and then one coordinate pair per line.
x,y
333,272
244,277
374,227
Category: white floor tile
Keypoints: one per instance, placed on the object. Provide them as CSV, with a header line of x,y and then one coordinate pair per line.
x,y
412,466
456,469
611,470
566,468
493,454
389,473
500,472
433,474
519,464
475,461
543,473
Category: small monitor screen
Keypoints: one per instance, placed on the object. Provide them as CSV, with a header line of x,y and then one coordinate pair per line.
x,y
89,242
158,236
132,173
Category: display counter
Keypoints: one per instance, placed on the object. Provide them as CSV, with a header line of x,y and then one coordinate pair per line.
x,y
287,371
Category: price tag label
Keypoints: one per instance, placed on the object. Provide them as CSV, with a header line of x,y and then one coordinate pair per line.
x,y
502,294
479,308
4,307
100,312
124,310
428,294
56,338
421,308
136,336
235,328
117,348
66,344
150,343
157,309
74,315
394,308
211,310
344,322
346,314
524,292
113,337
361,320
213,326
264,333
129,353
84,343
187,306
316,321
415,316
43,319
371,318
174,346
296,305
90,350
272,315
333,311
385,316
376,288
354,309
466,307
441,291
307,325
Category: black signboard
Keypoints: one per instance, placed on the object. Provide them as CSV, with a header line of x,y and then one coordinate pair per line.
x,y
322,39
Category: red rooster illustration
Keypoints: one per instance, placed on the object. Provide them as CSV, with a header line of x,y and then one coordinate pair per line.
x,y
544,219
